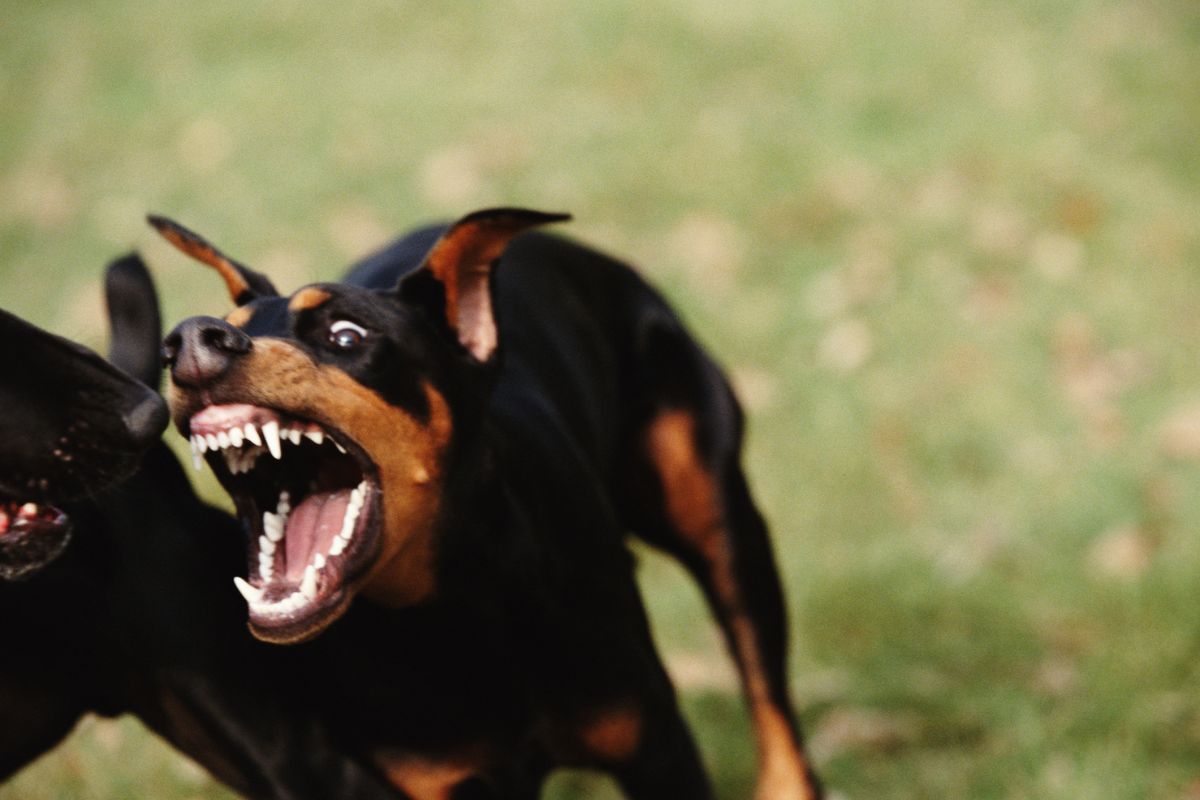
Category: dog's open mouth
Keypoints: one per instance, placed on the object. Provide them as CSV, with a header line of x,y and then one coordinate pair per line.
x,y
31,536
309,498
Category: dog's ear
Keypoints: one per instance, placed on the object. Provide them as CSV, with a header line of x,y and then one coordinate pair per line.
x,y
461,263
135,325
244,284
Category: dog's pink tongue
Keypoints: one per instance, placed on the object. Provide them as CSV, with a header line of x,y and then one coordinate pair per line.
x,y
311,527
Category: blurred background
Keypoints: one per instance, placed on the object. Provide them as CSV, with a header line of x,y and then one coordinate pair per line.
x,y
947,249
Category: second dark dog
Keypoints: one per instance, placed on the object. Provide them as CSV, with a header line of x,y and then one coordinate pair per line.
x,y
462,433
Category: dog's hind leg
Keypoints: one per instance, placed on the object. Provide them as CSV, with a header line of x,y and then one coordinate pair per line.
x,y
682,489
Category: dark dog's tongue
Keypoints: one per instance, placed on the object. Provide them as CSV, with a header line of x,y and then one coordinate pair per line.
x,y
311,527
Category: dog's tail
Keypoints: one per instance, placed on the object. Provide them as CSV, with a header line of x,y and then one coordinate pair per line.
x,y
134,320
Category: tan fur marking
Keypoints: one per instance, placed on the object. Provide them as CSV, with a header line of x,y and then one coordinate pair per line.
x,y
277,374
192,245
423,778
239,316
308,297
613,735
693,505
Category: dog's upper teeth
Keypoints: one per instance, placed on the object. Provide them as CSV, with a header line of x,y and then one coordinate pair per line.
x,y
223,439
235,437
315,436
199,443
213,442
294,435
270,432
251,433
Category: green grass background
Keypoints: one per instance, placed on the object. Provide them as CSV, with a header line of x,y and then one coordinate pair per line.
x,y
948,251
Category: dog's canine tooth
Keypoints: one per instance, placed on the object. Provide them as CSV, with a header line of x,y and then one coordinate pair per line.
x,y
265,545
270,432
235,437
252,433
316,437
308,587
273,526
251,594
197,459
213,444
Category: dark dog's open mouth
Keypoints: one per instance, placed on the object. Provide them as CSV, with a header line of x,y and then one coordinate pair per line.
x,y
31,536
310,501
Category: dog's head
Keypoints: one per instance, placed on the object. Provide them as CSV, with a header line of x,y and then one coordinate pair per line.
x,y
72,424
328,415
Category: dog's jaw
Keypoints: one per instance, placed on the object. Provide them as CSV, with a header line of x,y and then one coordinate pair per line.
x,y
309,499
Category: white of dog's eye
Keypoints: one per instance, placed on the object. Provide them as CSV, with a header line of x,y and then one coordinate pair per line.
x,y
346,335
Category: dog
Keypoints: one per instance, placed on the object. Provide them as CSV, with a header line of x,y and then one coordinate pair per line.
x,y
462,432
126,615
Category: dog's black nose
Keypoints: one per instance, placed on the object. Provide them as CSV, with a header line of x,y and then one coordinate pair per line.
x,y
201,349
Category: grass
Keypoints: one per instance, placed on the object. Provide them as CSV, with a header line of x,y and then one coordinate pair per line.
x,y
948,251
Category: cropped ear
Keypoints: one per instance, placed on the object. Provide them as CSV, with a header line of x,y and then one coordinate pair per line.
x,y
244,284
461,261
134,322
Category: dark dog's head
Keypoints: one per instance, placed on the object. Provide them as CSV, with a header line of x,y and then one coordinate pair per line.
x,y
328,416
72,424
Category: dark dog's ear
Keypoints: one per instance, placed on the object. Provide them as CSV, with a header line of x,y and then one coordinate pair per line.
x,y
244,284
135,326
461,263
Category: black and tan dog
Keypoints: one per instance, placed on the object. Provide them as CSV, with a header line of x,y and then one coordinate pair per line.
x,y
126,617
465,446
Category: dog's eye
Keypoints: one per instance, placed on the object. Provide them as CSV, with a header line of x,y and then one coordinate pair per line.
x,y
345,335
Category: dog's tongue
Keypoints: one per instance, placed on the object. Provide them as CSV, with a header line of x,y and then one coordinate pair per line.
x,y
311,527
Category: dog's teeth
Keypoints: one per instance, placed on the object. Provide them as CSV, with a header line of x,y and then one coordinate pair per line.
x,y
273,526
338,445
251,594
252,433
319,561
339,544
231,460
198,443
316,437
266,545
270,432
235,437
284,505
197,460
213,444
223,439
309,585
266,565
294,435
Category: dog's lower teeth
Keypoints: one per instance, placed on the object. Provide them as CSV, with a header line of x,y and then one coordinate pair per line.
x,y
247,591
273,526
308,587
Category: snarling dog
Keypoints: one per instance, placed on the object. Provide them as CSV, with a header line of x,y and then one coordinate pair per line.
x,y
462,432
125,617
